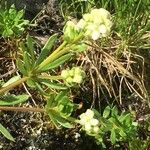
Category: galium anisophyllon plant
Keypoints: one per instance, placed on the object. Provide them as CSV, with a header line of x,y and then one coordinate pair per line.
x,y
119,127
34,69
32,66
88,122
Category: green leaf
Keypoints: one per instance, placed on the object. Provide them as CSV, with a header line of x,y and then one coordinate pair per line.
x,y
122,133
65,106
80,47
113,136
31,83
124,117
62,121
40,88
13,99
7,32
51,85
46,49
10,81
27,61
60,95
5,132
21,67
19,15
114,111
57,62
106,112
115,121
30,44
50,101
57,125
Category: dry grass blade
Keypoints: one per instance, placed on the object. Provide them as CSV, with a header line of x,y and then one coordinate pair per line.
x,y
112,75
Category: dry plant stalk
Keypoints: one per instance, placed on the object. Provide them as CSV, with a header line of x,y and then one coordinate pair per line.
x,y
112,74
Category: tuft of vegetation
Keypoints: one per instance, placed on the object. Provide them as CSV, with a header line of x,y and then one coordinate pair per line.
x,y
101,56
12,22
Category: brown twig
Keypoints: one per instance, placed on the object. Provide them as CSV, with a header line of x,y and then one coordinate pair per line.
x,y
21,109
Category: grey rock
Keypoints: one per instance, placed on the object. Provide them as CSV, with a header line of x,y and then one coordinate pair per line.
x,y
32,7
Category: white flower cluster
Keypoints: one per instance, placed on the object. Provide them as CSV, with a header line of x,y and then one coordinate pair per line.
x,y
89,123
96,24
93,25
75,75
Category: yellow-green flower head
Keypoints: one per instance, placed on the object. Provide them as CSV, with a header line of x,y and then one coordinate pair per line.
x,y
70,31
100,13
89,123
73,76
96,24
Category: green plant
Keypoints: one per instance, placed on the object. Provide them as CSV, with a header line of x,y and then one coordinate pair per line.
x,y
139,144
36,70
119,127
12,22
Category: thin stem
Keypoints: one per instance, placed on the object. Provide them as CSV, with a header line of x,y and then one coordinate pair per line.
x,y
21,109
14,84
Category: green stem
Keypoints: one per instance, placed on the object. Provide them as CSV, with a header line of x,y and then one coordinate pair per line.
x,y
52,56
14,84
59,51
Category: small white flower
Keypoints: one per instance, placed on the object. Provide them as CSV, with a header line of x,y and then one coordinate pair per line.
x,y
87,17
96,129
77,135
81,24
77,79
83,119
70,24
100,12
103,29
64,73
71,72
87,127
69,80
94,122
77,70
135,124
95,35
89,113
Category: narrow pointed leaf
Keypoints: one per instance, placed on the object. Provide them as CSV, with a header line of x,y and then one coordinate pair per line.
x,y
106,112
21,67
28,62
46,49
30,44
52,119
31,83
6,133
62,121
54,85
10,81
113,136
57,62
13,99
